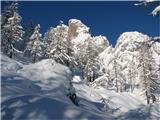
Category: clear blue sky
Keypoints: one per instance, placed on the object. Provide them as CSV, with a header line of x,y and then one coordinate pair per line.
x,y
109,18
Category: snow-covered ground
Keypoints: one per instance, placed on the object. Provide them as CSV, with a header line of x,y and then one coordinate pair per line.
x,y
121,105
39,91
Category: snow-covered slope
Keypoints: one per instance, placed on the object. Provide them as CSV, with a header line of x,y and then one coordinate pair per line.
x,y
48,74
115,100
38,91
122,106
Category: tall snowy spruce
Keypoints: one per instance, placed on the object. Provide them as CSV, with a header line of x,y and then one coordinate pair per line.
x,y
154,69
34,47
119,78
145,69
8,12
92,66
11,29
29,30
150,72
58,45
131,74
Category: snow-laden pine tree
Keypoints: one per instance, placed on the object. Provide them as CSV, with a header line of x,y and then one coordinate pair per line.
x,y
48,42
8,12
155,68
153,72
118,79
34,47
116,75
58,45
29,29
59,50
132,74
81,58
154,77
71,62
11,29
12,33
149,72
92,65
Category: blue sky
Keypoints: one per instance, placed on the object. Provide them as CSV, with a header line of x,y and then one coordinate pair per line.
x,y
108,18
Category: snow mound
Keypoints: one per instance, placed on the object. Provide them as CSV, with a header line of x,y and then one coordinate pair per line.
x,y
48,74
9,65
14,84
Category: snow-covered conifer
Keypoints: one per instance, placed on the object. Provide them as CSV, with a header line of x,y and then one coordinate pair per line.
x,y
35,45
29,29
11,29
58,45
156,10
92,66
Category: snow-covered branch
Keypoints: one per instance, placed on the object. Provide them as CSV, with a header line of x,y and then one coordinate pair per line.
x,y
146,2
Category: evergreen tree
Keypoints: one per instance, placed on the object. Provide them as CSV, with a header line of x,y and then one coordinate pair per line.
x,y
35,46
48,38
59,52
81,58
29,30
11,30
153,73
119,77
92,66
8,12
149,72
58,45
116,75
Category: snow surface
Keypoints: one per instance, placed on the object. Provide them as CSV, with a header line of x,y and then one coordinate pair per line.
x,y
121,105
39,91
